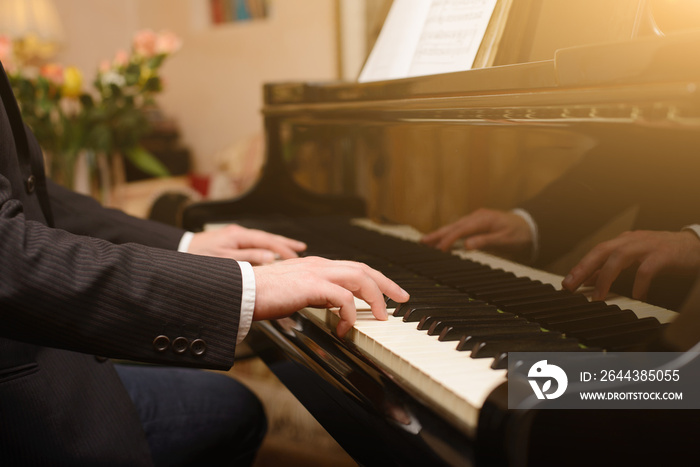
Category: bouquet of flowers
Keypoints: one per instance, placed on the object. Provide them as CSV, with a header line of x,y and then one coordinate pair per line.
x,y
110,119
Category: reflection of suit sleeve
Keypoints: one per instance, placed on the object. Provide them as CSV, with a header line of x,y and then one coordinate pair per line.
x,y
83,215
656,172
576,204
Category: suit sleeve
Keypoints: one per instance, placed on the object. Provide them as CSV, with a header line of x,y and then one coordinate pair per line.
x,y
83,215
89,295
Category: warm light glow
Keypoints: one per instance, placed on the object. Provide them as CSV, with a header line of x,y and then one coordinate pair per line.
x,y
33,25
676,15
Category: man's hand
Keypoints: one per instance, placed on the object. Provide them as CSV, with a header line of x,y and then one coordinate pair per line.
x,y
288,286
652,252
242,244
485,229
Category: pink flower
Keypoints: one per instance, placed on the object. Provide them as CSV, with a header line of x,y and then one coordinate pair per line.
x,y
52,72
145,43
6,48
121,58
7,53
167,43
105,66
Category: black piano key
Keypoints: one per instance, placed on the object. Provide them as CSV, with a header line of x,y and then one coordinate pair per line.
x,y
446,268
579,312
468,339
589,307
481,280
396,274
554,302
427,289
415,314
540,290
509,284
548,295
455,266
590,322
429,260
625,340
475,277
477,274
516,283
427,321
488,283
456,332
449,300
430,290
444,295
500,362
440,323
613,330
474,272
419,285
495,284
612,337
555,307
540,344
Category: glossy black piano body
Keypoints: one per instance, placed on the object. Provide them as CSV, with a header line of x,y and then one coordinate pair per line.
x,y
463,132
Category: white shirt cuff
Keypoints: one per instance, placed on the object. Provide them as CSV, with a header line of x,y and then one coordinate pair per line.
x,y
185,241
247,300
695,228
533,231
248,289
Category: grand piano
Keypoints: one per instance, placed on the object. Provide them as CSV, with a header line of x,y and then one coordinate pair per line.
x,y
357,170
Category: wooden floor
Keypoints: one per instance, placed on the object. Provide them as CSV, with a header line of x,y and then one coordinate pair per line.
x,y
273,454
294,437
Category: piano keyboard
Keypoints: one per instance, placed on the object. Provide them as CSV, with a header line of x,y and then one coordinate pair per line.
x,y
523,314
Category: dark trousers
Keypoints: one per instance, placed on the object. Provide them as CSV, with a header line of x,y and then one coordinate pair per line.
x,y
195,417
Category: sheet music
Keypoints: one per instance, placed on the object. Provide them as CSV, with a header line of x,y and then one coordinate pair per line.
x,y
423,37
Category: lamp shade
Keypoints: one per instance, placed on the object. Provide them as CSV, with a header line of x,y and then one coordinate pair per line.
x,y
33,25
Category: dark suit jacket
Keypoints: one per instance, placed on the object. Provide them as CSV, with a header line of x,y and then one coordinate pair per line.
x,y
65,298
653,170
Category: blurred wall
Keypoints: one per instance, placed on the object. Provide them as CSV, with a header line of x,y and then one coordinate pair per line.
x,y
213,85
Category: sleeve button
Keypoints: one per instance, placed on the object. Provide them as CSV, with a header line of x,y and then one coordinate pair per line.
x,y
198,347
30,184
161,343
180,344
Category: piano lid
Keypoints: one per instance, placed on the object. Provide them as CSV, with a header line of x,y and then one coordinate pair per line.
x,y
645,60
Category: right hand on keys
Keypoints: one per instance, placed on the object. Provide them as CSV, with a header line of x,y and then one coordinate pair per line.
x,y
288,286
486,229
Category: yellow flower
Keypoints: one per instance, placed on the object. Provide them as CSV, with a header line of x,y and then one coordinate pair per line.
x,y
72,82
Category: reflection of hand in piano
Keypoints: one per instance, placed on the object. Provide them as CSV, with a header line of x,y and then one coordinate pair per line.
x,y
286,287
486,229
653,253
